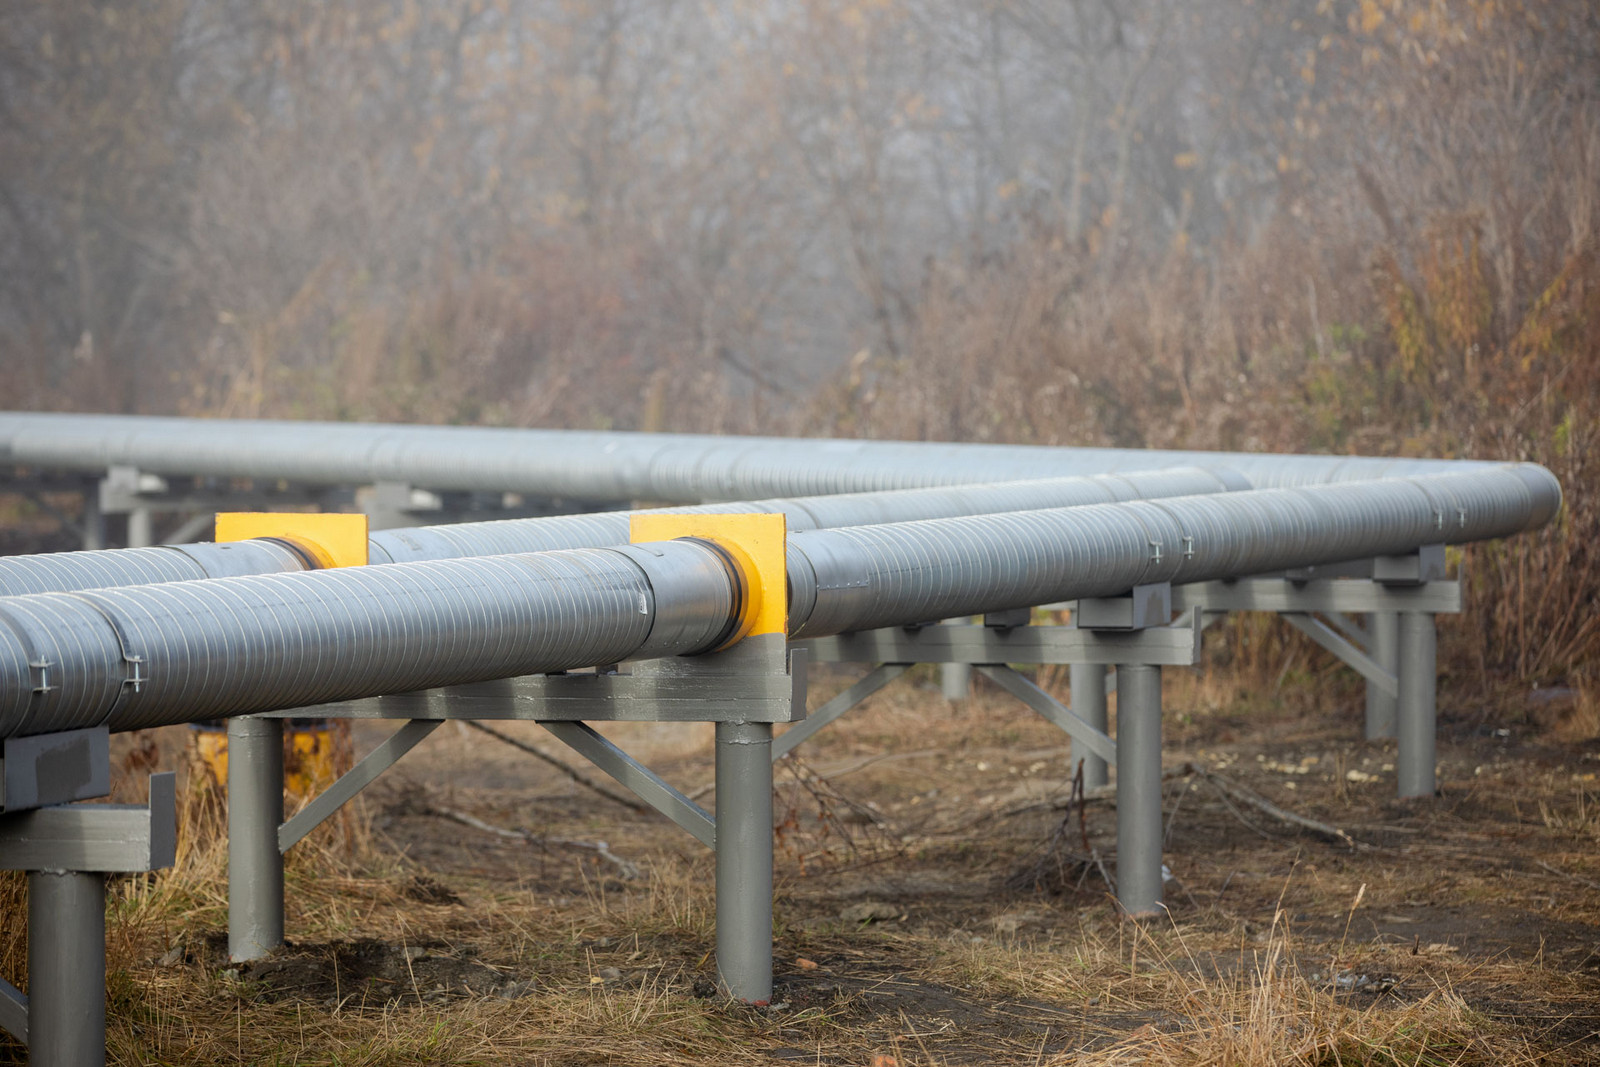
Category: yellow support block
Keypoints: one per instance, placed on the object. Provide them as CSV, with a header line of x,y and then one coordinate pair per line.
x,y
755,543
330,539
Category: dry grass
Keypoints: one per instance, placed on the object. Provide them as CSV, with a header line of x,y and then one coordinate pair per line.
x,y
1473,917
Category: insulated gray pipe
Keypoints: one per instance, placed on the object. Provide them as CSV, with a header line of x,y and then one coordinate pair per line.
x,y
62,572
610,466
160,654
151,655
874,576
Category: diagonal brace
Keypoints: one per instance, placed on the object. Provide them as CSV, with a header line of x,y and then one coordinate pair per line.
x,y
1352,629
13,1011
645,783
1324,635
816,720
1051,708
354,780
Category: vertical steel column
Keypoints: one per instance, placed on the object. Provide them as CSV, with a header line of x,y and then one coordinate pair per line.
x,y
744,860
1416,712
94,520
955,680
66,968
141,533
1088,697
1383,628
255,810
1139,882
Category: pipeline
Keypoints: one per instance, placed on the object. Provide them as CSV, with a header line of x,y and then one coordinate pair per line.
x,y
153,655
589,466
61,572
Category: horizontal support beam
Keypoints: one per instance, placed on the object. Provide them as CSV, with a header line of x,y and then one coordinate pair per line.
x,y
750,682
1159,646
880,676
95,838
353,781
1365,665
1337,595
1030,694
646,784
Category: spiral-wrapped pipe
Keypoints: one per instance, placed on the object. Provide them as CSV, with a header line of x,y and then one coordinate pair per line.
x,y
157,654
61,572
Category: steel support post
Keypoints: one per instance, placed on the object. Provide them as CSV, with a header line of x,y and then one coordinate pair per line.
x,y
1383,628
255,810
141,529
744,860
1139,881
1089,702
955,681
1416,712
94,520
66,968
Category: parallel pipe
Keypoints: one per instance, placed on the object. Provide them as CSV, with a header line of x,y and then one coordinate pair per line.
x,y
62,572
575,465
151,655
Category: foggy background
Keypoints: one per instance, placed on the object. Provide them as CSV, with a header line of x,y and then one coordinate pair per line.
x,y
1311,224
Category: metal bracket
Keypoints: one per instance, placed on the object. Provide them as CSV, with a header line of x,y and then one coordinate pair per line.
x,y
641,780
879,677
1030,694
58,768
13,1011
1144,607
1354,657
353,781
99,838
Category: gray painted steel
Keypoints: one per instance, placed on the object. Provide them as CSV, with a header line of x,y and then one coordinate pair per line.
x,y
744,860
255,811
150,655
1416,711
104,838
1383,635
55,769
603,466
66,968
1088,682
327,803
63,572
1139,881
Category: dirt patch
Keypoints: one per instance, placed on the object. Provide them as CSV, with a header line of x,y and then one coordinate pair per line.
x,y
378,976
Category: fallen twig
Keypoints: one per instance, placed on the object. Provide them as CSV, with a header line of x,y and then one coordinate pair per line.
x,y
627,870
577,776
1267,807
1569,877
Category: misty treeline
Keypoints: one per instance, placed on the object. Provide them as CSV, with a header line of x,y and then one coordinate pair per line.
x,y
1349,225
